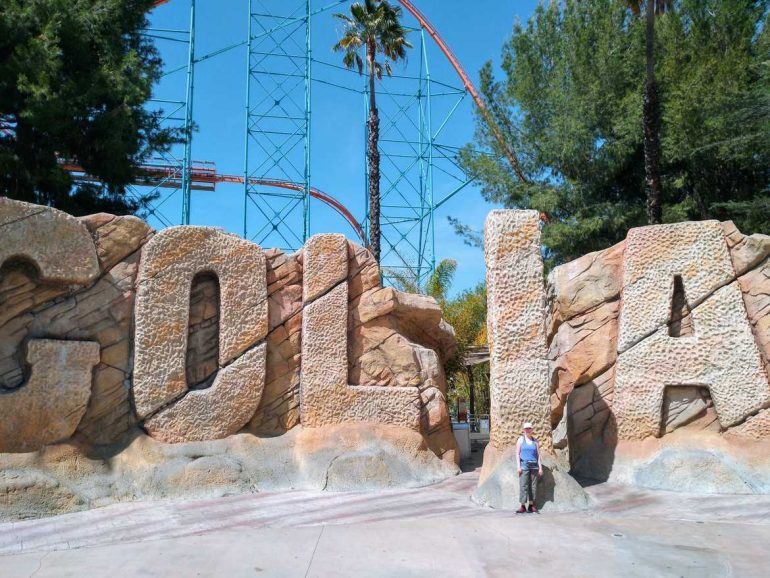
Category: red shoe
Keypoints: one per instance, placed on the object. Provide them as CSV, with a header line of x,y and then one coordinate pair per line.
x,y
522,510
532,509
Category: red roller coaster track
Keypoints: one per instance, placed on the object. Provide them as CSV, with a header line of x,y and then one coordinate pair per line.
x,y
204,177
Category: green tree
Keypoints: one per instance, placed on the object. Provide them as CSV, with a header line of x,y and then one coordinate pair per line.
x,y
572,103
651,109
373,27
74,78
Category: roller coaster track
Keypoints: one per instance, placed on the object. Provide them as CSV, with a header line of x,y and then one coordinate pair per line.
x,y
510,154
204,177
468,84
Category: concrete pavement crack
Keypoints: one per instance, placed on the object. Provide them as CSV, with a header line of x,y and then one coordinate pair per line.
x,y
310,562
39,564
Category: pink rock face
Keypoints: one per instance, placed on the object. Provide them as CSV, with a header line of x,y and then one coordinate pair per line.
x,y
584,347
223,354
325,396
755,286
27,231
722,344
218,411
720,355
394,340
32,307
585,284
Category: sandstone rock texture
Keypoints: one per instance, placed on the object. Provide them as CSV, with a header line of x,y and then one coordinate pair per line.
x,y
69,476
49,405
519,370
170,262
665,334
325,396
34,307
27,231
721,354
657,358
111,332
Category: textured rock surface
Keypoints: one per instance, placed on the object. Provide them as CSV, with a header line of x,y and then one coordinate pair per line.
x,y
695,251
67,477
519,370
27,231
279,410
695,461
49,406
591,427
170,262
757,427
217,411
746,251
755,286
684,405
226,321
499,485
101,312
584,347
721,354
325,396
584,303
584,284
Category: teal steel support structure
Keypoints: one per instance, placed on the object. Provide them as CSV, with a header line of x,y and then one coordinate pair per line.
x,y
419,173
277,124
161,199
188,123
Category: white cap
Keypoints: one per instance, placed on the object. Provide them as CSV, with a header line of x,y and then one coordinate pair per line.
x,y
527,425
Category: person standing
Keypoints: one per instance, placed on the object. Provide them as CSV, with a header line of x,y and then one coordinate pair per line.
x,y
529,468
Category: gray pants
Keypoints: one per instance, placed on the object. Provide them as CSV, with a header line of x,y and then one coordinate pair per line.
x,y
528,485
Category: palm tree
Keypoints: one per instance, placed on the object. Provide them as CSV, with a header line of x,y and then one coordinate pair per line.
x,y
373,27
651,112
437,285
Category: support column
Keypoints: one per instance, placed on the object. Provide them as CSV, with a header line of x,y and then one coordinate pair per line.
x,y
519,375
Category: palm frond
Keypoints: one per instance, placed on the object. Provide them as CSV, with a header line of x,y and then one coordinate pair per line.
x,y
373,22
345,18
441,279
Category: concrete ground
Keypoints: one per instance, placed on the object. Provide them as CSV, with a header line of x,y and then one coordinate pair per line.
x,y
432,531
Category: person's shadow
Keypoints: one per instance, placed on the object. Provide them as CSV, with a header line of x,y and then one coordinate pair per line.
x,y
545,488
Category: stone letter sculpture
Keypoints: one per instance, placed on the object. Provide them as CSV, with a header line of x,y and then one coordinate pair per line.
x,y
519,374
58,244
325,396
721,354
170,261
49,406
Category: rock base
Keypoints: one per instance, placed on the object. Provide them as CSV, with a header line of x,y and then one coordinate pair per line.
x,y
499,484
73,476
695,462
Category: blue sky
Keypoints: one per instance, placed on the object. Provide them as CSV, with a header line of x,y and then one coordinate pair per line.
x,y
474,29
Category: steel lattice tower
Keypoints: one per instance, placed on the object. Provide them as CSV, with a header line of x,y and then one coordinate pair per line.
x,y
277,141
419,170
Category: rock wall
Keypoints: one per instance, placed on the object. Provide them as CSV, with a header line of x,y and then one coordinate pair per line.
x,y
518,364
109,331
658,355
663,336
